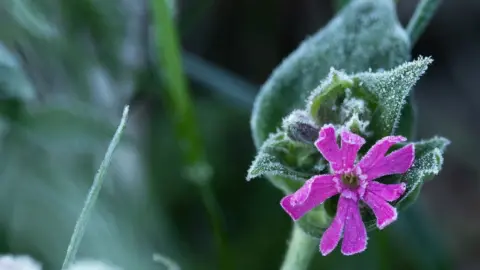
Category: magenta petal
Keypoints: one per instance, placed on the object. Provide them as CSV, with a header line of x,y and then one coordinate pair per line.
x,y
384,212
398,161
354,233
387,192
332,235
314,192
351,143
327,145
378,151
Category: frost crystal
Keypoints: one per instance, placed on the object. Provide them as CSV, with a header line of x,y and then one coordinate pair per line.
x,y
391,89
354,183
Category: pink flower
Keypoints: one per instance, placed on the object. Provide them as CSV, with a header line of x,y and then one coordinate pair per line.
x,y
354,183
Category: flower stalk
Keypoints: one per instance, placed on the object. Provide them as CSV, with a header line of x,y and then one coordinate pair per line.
x,y
301,249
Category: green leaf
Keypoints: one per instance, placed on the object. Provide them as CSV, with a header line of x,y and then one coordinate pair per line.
x,y
328,95
428,163
365,34
280,156
391,89
407,121
13,81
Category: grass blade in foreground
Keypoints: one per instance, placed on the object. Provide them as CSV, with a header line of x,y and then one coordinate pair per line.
x,y
182,112
92,196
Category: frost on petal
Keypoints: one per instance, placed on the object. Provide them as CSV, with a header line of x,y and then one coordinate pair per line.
x,y
387,192
398,161
384,212
314,192
351,143
327,145
378,151
332,235
354,233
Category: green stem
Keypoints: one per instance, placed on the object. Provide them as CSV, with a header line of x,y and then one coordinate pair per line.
x,y
421,18
300,251
92,196
182,112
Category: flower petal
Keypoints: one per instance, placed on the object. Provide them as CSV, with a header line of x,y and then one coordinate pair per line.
x,y
354,233
314,192
387,192
378,151
340,158
384,212
351,143
332,235
328,147
398,161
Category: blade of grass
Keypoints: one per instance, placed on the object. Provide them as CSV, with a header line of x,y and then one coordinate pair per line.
x,y
92,196
167,262
421,18
182,112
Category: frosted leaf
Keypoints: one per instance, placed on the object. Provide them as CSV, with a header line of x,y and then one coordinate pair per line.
x,y
324,101
365,34
13,81
280,156
391,89
428,163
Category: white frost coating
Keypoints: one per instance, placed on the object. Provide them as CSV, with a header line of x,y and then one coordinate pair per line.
x,y
341,76
18,262
354,124
392,88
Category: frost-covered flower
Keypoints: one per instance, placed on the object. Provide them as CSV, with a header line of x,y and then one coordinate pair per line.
x,y
22,262
354,182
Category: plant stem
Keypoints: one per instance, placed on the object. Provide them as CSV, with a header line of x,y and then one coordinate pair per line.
x,y
182,112
421,18
92,196
300,251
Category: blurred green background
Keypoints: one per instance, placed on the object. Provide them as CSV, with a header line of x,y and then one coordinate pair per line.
x,y
67,68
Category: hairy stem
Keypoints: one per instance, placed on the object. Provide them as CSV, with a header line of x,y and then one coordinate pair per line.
x,y
301,249
421,18
92,196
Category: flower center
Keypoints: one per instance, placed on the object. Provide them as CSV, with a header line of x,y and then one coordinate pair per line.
x,y
350,180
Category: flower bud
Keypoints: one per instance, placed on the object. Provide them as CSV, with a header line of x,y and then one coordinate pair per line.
x,y
299,127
